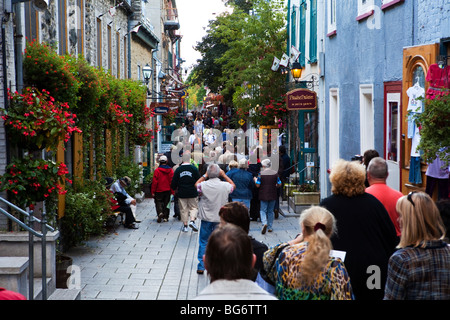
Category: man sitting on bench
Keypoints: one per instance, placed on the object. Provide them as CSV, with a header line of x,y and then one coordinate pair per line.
x,y
122,203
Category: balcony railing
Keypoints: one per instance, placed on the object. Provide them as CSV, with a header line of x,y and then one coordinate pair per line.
x,y
171,19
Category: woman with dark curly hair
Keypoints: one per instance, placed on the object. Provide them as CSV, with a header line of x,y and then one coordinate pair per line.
x,y
364,230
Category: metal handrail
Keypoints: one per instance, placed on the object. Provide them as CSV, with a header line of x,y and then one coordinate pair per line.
x,y
43,234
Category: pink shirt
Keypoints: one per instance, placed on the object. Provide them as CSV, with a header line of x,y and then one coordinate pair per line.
x,y
388,197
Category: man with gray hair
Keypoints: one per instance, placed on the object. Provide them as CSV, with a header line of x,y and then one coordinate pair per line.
x,y
377,173
213,195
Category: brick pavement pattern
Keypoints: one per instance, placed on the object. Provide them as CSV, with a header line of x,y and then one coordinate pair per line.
x,y
155,262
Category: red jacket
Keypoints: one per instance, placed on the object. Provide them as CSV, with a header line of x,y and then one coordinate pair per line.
x,y
162,178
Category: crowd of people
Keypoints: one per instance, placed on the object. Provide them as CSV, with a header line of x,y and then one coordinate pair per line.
x,y
366,241
348,247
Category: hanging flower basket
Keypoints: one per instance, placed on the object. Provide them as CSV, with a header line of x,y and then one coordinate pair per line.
x,y
35,121
32,180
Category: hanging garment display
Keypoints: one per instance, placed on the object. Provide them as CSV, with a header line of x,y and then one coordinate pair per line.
x,y
415,105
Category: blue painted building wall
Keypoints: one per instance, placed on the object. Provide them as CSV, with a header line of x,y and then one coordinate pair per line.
x,y
362,54
370,51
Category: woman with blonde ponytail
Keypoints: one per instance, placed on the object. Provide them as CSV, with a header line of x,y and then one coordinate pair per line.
x,y
304,270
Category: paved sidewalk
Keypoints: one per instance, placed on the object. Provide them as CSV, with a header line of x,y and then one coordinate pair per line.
x,y
155,262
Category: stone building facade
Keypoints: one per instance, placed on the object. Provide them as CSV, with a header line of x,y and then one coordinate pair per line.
x,y
119,36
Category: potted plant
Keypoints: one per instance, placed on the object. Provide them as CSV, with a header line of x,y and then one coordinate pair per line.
x,y
147,185
63,262
307,194
85,214
434,124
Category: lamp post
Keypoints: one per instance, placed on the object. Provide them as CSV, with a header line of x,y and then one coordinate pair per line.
x,y
147,72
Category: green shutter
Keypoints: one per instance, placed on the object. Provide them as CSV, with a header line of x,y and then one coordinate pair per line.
x,y
313,32
293,28
302,32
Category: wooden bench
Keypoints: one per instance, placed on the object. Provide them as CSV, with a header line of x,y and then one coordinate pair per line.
x,y
113,218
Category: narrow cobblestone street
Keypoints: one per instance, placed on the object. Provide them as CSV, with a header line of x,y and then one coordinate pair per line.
x,y
155,262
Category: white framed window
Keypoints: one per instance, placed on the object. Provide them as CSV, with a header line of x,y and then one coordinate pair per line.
x,y
392,138
333,146
366,117
364,6
392,133
331,17
389,3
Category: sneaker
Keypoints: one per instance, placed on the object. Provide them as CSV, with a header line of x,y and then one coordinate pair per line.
x,y
193,226
264,228
269,230
184,229
160,217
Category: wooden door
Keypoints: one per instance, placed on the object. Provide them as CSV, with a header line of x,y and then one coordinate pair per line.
x,y
416,61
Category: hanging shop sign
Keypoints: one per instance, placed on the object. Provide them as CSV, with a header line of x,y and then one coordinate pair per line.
x,y
161,110
160,107
301,99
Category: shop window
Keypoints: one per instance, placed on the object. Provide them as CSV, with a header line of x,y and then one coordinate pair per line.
x,y
392,127
313,32
365,9
109,34
62,27
294,27
125,57
118,75
302,34
80,26
331,18
99,42
31,22
389,3
366,113
334,126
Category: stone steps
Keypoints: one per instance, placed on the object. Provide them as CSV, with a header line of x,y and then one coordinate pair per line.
x,y
14,267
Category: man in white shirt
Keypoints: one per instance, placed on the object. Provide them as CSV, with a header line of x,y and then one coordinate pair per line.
x,y
213,195
119,187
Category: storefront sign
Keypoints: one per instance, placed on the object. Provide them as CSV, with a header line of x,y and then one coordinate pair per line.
x,y
160,107
161,110
301,99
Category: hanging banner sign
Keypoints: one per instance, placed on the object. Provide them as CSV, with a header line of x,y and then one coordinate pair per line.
x,y
301,99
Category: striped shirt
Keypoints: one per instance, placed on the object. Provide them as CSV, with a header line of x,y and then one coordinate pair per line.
x,y
416,273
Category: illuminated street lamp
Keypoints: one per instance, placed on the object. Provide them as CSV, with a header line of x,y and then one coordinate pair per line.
x,y
296,71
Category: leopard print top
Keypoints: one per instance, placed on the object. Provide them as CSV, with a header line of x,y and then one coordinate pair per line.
x,y
333,283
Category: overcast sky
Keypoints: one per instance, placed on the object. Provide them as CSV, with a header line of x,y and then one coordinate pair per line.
x,y
194,16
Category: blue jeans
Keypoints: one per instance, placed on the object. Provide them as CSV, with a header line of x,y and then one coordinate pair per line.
x,y
415,175
206,228
244,201
266,212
